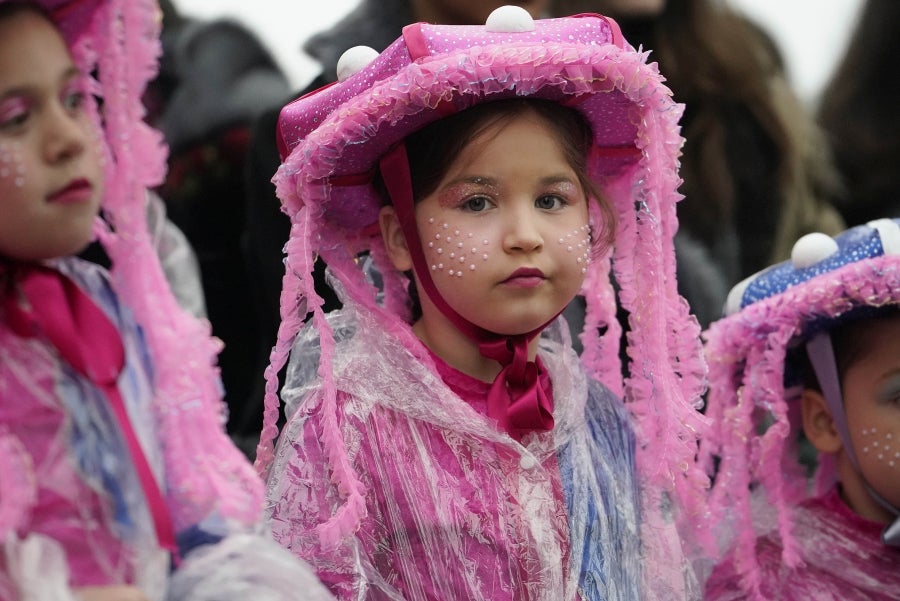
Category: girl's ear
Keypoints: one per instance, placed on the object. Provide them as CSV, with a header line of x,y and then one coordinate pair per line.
x,y
394,240
818,425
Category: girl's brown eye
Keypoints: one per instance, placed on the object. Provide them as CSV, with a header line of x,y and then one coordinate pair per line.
x,y
478,203
549,202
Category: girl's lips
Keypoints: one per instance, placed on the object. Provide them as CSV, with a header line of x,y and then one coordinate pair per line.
x,y
78,190
525,277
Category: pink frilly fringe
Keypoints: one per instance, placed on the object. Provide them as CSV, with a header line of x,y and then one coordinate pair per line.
x,y
119,41
746,361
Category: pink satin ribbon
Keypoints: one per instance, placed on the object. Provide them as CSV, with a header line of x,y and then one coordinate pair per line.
x,y
521,397
90,343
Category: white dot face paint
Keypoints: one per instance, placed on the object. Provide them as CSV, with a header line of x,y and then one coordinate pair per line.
x,y
871,387
446,243
578,244
881,446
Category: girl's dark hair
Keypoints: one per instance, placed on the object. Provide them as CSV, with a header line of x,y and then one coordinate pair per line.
x,y
433,149
14,7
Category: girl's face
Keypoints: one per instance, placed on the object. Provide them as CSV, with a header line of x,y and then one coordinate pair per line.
x,y
50,171
871,389
505,233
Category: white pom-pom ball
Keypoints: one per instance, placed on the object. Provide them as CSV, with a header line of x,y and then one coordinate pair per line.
x,y
354,60
889,232
509,19
812,248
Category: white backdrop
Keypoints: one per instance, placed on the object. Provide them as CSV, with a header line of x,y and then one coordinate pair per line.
x,y
812,33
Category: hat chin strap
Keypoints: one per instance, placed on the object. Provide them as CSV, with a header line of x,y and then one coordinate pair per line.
x,y
521,397
821,356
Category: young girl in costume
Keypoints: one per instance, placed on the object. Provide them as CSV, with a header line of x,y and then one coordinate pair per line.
x,y
443,440
811,345
117,480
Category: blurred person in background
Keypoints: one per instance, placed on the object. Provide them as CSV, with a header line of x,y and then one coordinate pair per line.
x,y
757,174
858,110
215,77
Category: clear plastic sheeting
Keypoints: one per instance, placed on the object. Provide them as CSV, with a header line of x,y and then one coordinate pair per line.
x,y
842,559
426,499
85,495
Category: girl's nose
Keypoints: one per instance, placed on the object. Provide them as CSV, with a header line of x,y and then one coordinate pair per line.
x,y
65,135
523,233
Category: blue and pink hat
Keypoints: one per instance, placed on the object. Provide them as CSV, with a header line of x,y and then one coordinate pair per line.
x,y
786,308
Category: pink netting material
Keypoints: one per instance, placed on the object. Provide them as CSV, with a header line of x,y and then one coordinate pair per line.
x,y
667,373
746,368
119,41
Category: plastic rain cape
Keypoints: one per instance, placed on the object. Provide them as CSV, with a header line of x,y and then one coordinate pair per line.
x,y
454,509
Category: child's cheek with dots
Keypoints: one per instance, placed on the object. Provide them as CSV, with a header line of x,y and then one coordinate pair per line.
x,y
452,252
12,167
882,446
578,244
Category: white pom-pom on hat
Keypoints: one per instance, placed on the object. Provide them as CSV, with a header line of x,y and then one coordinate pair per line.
x,y
889,233
812,248
354,60
509,19
736,295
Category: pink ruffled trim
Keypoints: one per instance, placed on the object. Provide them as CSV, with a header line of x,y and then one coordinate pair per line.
x,y
206,472
746,356
668,372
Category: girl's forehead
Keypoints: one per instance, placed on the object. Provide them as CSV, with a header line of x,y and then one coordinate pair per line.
x,y
31,48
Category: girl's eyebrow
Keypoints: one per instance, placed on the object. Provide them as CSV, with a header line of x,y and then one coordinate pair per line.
x,y
69,73
558,179
489,181
479,180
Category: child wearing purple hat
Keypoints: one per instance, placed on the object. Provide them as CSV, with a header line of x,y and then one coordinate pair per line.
x,y
442,438
810,349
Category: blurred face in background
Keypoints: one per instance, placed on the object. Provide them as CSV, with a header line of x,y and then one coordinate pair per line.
x,y
469,12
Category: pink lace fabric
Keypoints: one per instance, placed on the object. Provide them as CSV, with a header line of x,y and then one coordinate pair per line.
x,y
755,424
842,559
578,61
119,40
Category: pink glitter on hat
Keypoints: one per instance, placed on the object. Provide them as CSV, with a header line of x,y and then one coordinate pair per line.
x,y
332,140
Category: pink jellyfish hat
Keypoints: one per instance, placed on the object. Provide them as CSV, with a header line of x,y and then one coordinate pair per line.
x,y
769,316
332,141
